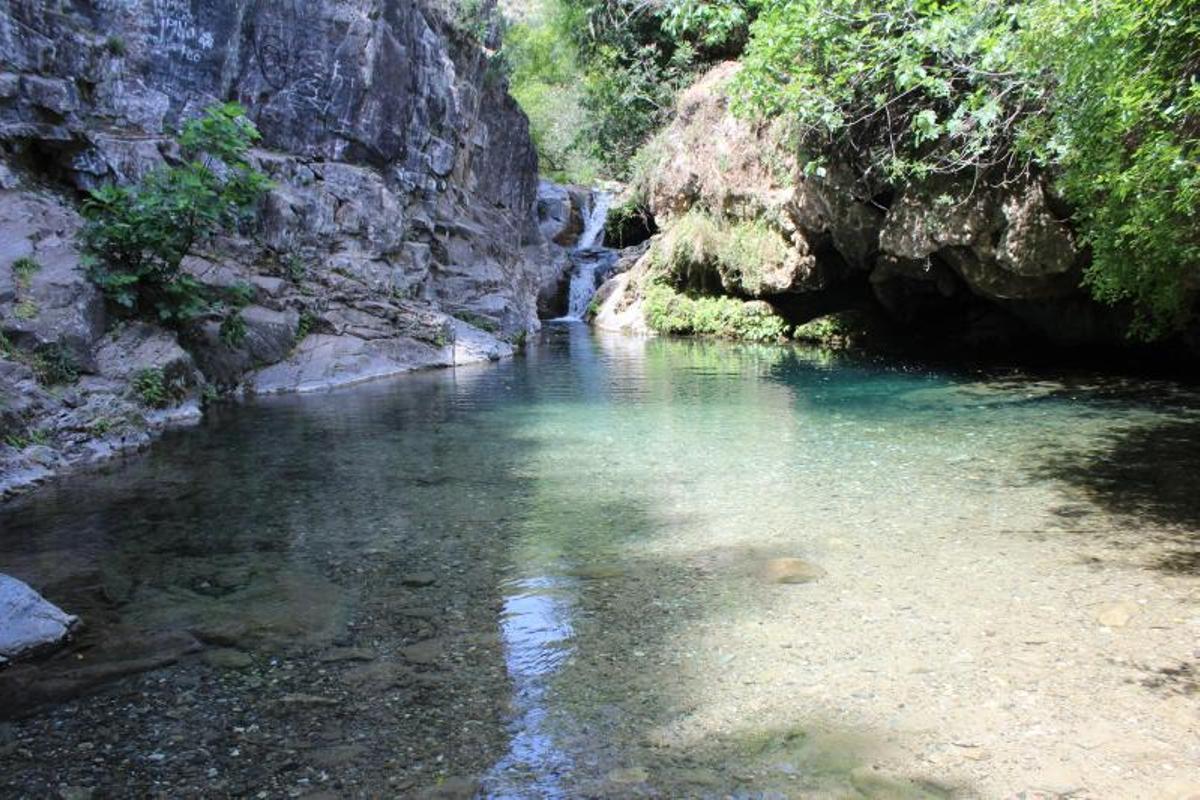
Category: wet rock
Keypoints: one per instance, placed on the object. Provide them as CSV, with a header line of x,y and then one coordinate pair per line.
x,y
791,570
28,622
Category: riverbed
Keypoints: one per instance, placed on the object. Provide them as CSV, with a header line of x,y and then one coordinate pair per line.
x,y
620,567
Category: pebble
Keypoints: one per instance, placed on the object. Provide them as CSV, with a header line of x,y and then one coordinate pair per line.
x,y
1116,615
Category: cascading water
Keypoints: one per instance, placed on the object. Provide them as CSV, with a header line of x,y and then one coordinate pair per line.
x,y
586,257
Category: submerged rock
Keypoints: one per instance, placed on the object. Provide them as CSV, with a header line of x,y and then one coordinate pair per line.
x,y
29,622
791,570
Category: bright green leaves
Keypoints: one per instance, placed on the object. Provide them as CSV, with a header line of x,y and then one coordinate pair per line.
x,y
1123,138
1104,95
136,237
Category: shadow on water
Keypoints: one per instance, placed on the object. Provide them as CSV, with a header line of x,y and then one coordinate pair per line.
x,y
301,593
1149,474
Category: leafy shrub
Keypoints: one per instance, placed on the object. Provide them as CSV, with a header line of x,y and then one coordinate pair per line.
x,y
54,364
233,330
669,312
1124,137
545,80
610,70
154,389
136,237
304,326
1100,95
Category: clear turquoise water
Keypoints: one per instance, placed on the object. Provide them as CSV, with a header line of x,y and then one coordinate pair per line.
x,y
569,504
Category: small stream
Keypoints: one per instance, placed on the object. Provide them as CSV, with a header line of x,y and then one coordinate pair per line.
x,y
558,577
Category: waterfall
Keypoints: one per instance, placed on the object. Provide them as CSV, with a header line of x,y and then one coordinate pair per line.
x,y
583,275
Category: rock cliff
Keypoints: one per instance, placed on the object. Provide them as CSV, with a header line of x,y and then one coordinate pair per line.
x,y
946,260
401,230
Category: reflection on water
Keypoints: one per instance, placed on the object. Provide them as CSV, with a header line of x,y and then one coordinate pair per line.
x,y
536,627
545,575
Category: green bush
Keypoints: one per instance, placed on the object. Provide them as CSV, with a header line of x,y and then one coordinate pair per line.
x,y
54,364
598,77
669,312
545,80
153,388
1099,95
136,237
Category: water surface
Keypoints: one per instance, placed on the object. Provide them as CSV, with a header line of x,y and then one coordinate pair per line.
x,y
549,578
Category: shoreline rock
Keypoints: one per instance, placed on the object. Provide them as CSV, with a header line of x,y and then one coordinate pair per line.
x,y
29,623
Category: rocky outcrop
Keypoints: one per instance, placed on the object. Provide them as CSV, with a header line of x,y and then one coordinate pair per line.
x,y
401,230
978,265
28,622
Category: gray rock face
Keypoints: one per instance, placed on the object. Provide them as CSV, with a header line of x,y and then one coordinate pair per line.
x,y
389,135
401,230
50,301
28,622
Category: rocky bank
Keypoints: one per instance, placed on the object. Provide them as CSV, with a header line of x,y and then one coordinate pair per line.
x,y
947,262
401,231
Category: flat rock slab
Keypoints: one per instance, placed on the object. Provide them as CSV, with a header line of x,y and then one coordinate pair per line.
x,y
29,622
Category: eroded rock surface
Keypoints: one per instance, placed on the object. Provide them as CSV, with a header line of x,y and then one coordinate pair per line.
x,y
402,229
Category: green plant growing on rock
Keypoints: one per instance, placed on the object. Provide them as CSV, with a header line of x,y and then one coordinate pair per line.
x,y
297,270
670,312
135,238
23,270
832,330
305,325
706,253
26,310
1098,97
54,365
233,330
152,388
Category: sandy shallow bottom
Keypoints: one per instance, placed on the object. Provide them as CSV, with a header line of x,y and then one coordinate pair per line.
x,y
618,568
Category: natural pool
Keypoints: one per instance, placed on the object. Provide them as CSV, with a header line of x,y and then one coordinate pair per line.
x,y
557,577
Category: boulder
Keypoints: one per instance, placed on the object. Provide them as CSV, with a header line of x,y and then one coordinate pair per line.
x,y
28,622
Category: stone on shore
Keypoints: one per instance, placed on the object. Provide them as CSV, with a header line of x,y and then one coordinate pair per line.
x,y
29,622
